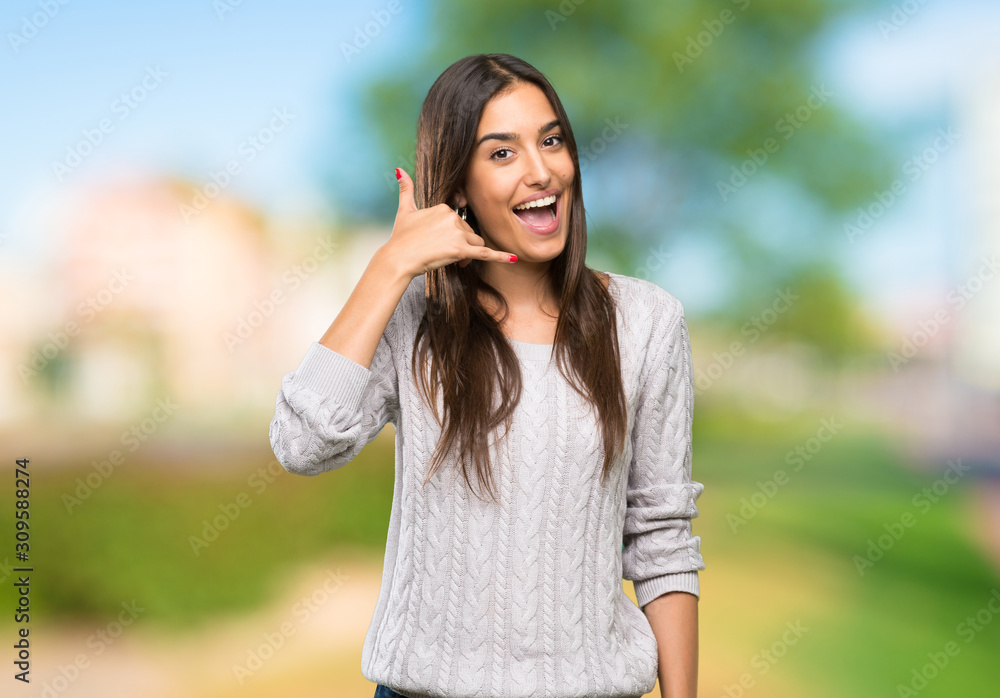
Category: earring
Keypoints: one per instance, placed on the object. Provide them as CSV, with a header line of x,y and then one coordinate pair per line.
x,y
464,209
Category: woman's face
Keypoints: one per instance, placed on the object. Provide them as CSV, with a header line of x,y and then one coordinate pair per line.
x,y
520,155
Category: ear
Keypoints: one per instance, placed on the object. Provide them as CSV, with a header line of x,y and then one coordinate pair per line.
x,y
459,199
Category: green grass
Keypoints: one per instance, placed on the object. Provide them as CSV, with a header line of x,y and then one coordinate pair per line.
x,y
909,602
130,540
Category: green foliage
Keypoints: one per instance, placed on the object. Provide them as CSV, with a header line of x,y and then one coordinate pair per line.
x,y
700,82
130,540
825,315
706,92
884,622
132,537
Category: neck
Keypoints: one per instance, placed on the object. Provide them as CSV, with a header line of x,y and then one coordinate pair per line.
x,y
524,285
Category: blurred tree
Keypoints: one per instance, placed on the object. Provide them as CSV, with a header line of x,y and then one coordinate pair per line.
x,y
812,305
719,110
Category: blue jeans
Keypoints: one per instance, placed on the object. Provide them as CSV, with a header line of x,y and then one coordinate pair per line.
x,y
385,692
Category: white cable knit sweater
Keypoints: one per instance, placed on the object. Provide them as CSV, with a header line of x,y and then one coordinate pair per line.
x,y
521,599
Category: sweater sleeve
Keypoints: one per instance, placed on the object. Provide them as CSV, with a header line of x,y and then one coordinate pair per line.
x,y
660,554
331,407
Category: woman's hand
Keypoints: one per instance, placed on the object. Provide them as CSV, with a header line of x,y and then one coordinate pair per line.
x,y
425,239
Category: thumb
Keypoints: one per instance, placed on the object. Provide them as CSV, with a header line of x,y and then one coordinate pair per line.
x,y
406,201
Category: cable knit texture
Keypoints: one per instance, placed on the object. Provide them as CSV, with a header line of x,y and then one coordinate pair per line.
x,y
520,598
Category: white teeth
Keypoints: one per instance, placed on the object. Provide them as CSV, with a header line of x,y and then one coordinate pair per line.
x,y
537,202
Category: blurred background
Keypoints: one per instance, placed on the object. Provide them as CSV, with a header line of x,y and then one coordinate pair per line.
x,y
190,190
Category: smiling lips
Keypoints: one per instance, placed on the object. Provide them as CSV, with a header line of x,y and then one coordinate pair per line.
x,y
544,201
540,216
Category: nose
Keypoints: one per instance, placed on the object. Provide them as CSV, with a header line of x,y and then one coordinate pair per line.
x,y
537,169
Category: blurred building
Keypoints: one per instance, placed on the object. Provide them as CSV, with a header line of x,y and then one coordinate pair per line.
x,y
951,403
145,300
977,341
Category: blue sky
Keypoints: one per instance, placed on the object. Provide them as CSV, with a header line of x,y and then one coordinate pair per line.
x,y
225,75
916,80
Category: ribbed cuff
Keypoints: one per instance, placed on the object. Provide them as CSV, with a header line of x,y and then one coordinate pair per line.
x,y
648,589
333,375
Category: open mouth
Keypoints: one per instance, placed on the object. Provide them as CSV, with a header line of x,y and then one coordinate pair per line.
x,y
540,214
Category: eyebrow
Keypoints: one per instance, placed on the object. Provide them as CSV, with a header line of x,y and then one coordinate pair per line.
x,y
513,136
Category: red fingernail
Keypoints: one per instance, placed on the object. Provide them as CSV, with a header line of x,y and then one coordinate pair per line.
x,y
399,175
513,258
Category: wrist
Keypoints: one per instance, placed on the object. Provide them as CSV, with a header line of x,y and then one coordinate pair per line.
x,y
390,266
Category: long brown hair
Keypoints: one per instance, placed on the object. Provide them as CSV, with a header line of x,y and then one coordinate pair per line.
x,y
468,353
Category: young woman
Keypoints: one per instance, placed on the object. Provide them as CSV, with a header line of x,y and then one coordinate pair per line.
x,y
479,312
